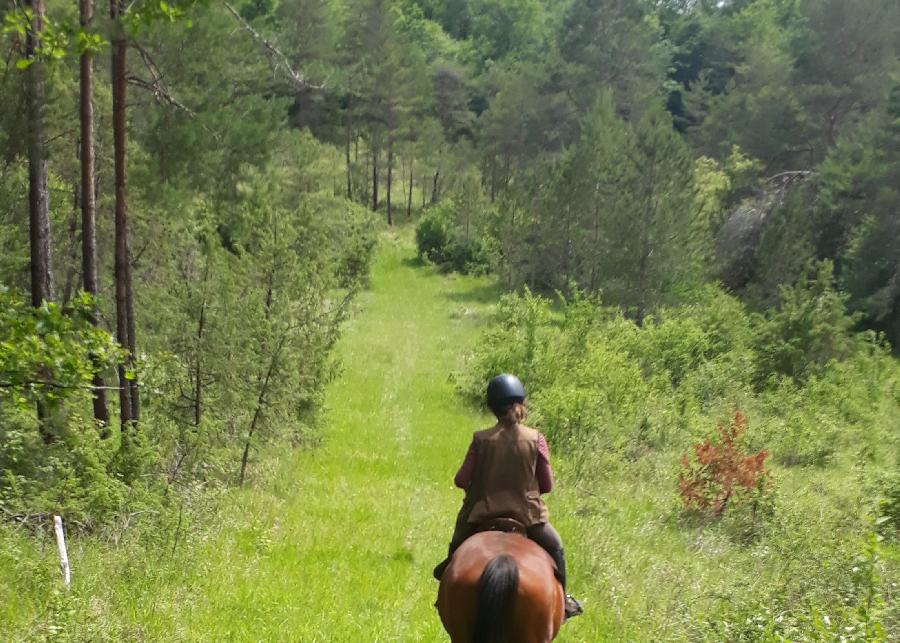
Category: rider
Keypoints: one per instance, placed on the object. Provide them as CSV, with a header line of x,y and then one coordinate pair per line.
x,y
506,469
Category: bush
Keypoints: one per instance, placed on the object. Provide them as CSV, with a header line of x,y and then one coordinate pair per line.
x,y
449,234
888,520
809,328
722,475
433,234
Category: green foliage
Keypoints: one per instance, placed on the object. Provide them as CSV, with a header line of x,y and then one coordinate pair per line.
x,y
59,461
809,328
888,521
448,233
47,355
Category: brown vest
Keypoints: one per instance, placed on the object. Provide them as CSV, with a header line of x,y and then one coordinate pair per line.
x,y
504,483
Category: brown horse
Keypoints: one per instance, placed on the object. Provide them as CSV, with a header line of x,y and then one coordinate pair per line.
x,y
500,588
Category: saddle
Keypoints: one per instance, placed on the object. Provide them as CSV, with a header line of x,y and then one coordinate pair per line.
x,y
507,525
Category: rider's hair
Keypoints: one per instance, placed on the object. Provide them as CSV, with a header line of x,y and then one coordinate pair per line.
x,y
511,413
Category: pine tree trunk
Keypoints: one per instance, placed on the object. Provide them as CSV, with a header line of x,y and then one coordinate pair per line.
x,y
89,202
365,184
434,187
72,274
409,198
38,192
374,180
132,348
390,169
349,166
122,265
493,170
198,372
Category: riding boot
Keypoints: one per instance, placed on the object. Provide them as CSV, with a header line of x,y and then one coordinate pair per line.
x,y
441,566
572,605
559,557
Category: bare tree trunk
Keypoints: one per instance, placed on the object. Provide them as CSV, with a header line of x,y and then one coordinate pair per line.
x,y
89,202
122,264
365,183
198,373
71,248
424,183
434,187
390,169
596,244
374,180
257,413
409,198
493,170
38,192
349,166
642,287
132,348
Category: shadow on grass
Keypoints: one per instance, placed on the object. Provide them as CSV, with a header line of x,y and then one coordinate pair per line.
x,y
414,262
481,294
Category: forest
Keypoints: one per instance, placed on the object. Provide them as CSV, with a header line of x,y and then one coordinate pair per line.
x,y
678,221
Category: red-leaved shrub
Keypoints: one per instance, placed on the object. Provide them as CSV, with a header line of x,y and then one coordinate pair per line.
x,y
720,471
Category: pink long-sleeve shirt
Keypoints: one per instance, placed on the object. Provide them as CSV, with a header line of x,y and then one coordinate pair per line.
x,y
543,472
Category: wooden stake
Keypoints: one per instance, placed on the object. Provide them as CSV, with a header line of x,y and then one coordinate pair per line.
x,y
61,544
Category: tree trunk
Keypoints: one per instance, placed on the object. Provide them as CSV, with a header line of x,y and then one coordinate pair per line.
x,y
374,180
89,203
493,170
642,289
257,413
71,243
122,264
390,176
38,192
424,183
198,372
365,182
349,166
434,187
409,198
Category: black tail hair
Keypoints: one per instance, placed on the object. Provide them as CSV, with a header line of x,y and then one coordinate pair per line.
x,y
497,590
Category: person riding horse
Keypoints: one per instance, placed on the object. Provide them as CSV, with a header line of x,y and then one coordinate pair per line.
x,y
504,473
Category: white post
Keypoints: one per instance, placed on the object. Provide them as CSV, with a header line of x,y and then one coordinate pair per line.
x,y
61,544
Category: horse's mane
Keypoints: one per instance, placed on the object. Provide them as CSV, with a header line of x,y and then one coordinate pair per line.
x,y
497,590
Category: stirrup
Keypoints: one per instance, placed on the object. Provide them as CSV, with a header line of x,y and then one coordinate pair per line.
x,y
573,607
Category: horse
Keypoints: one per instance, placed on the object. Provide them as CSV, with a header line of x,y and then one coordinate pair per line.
x,y
501,588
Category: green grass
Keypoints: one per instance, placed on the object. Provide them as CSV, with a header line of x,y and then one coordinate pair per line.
x,y
337,543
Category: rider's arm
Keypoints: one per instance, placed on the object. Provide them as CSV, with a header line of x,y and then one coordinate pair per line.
x,y
543,472
464,476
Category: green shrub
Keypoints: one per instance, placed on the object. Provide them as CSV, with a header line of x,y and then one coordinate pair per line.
x,y
433,233
809,328
454,234
888,520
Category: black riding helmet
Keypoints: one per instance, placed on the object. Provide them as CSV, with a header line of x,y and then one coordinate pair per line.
x,y
504,389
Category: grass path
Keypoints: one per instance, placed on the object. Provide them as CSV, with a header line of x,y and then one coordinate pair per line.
x,y
343,541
